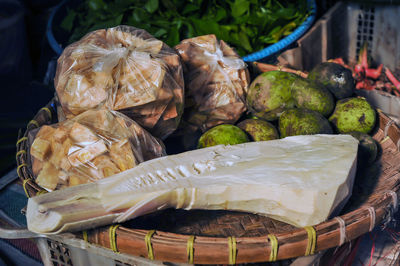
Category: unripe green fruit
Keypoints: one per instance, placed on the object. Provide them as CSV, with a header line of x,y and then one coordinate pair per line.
x,y
353,114
222,134
303,122
259,130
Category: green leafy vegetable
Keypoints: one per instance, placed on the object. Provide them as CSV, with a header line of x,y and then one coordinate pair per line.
x,y
247,25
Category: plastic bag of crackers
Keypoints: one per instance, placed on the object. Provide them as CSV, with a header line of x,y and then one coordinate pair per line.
x,y
91,146
127,70
216,81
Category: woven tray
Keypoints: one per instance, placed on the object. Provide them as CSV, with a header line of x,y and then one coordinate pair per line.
x,y
221,237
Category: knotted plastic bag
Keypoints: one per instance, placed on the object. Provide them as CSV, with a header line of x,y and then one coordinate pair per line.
x,y
125,69
91,146
216,81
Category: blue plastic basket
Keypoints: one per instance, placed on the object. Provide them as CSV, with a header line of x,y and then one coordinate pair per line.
x,y
262,54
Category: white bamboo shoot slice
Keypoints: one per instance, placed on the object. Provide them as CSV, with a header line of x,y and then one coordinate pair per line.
x,y
300,180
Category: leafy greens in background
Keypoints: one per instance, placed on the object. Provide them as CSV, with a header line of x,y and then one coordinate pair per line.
x,y
247,25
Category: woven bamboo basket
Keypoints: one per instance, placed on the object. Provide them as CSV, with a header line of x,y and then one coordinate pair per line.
x,y
222,237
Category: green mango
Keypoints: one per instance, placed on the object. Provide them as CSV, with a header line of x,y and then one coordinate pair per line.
x,y
259,130
353,114
273,92
308,94
270,94
222,134
300,121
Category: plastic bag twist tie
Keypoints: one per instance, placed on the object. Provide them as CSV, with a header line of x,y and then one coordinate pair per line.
x,y
33,122
48,111
19,153
19,168
24,186
21,140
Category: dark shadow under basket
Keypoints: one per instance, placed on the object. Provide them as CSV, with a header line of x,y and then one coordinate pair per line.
x,y
221,237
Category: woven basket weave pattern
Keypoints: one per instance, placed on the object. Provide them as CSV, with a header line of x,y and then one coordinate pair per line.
x,y
374,196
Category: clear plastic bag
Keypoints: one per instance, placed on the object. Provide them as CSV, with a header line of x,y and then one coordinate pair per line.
x,y
91,146
216,81
125,69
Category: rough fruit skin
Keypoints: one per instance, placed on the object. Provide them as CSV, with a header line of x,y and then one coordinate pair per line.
x,y
303,122
270,94
367,147
222,134
259,130
336,78
353,114
308,94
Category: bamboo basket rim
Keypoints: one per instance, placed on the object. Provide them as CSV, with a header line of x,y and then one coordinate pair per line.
x,y
181,248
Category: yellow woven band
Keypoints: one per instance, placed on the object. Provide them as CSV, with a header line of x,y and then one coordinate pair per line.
x,y
21,140
41,192
312,240
48,111
19,153
232,250
19,168
384,140
24,186
190,249
113,237
85,236
33,122
274,247
147,239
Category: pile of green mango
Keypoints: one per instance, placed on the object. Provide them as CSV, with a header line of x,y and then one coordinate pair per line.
x,y
282,104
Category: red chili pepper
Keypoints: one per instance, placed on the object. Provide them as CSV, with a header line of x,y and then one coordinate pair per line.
x,y
392,78
373,73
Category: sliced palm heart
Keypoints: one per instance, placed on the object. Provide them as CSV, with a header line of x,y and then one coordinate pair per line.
x,y
300,180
